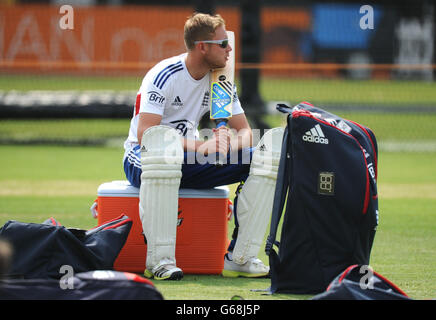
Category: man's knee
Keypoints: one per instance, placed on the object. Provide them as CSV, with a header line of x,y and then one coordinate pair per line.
x,y
133,173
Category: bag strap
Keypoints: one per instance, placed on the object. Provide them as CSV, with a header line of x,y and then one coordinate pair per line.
x,y
280,193
283,108
110,224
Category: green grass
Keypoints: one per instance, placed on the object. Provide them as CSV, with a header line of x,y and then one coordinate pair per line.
x,y
39,163
69,210
404,249
365,92
400,127
67,82
61,181
317,91
390,127
66,129
38,182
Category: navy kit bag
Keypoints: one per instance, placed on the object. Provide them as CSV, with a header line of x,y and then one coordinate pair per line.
x,y
356,283
90,285
326,190
41,249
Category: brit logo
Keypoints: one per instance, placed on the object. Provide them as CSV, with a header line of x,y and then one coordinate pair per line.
x,y
155,97
315,135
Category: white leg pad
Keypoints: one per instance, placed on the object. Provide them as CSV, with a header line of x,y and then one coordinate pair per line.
x,y
256,198
161,160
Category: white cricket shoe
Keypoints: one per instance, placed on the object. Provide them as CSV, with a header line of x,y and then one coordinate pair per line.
x,y
164,270
253,268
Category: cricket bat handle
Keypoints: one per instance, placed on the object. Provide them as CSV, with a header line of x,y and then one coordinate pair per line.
x,y
220,157
221,123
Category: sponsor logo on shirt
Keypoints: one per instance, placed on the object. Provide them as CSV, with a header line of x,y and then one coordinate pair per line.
x,y
177,102
182,126
205,102
155,97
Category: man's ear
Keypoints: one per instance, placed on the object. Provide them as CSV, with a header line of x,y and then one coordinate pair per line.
x,y
202,47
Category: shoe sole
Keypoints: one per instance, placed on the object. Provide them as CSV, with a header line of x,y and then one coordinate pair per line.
x,y
178,275
235,274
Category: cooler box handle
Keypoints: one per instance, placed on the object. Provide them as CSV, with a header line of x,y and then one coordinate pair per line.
x,y
94,209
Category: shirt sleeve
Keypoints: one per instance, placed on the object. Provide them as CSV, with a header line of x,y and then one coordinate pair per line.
x,y
153,99
236,108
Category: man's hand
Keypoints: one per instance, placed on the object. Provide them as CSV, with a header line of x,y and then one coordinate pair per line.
x,y
222,135
220,142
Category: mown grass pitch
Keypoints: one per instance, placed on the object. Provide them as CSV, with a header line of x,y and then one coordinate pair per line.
x,y
319,91
38,182
394,127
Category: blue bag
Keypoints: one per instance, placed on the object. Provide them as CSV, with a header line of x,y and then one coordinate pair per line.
x,y
359,282
327,189
90,285
41,249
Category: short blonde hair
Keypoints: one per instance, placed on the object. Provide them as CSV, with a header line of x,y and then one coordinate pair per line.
x,y
201,26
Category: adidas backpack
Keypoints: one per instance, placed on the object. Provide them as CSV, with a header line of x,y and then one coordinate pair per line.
x,y
326,189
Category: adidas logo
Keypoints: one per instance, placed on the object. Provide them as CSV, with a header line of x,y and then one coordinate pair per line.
x,y
262,147
315,135
177,102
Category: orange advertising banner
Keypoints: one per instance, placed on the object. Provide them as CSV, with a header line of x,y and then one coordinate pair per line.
x,y
122,39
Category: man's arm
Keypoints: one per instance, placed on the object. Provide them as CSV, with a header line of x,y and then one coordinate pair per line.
x,y
239,123
243,137
147,120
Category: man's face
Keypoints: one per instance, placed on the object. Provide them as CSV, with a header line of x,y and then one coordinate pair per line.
x,y
216,56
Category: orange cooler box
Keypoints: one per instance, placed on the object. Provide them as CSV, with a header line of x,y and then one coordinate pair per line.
x,y
201,232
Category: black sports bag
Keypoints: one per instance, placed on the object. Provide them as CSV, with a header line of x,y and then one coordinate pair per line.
x,y
90,285
326,186
41,249
359,282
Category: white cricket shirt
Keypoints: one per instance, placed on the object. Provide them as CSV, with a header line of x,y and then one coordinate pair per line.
x,y
169,90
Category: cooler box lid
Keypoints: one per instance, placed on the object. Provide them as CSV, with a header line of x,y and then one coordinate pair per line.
x,y
122,188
